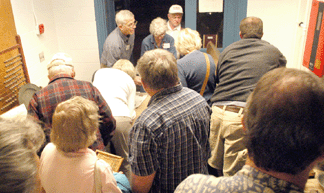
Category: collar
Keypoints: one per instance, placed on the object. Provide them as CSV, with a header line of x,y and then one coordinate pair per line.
x,y
259,177
79,153
152,39
178,28
123,36
59,76
165,92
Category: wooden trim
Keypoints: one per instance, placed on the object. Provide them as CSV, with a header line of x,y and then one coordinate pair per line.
x,y
21,51
9,49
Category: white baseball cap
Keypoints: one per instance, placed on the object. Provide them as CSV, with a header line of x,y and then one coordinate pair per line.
x,y
175,9
60,59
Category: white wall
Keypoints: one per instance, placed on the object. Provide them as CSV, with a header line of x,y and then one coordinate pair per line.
x,y
77,34
70,27
280,25
32,44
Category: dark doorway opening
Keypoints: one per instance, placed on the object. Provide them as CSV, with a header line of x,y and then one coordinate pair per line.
x,y
145,11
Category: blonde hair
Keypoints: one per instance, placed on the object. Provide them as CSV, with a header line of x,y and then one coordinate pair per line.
x,y
188,40
75,123
125,66
158,26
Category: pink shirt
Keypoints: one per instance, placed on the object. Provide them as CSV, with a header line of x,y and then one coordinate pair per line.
x,y
73,172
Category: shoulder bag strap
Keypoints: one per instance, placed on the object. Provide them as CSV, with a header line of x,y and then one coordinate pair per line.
x,y
97,180
207,75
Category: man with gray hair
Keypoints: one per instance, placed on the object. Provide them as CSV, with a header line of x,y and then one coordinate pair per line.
x,y
120,42
239,68
175,17
158,37
169,140
63,86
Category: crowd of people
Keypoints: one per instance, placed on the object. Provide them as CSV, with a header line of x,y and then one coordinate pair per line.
x,y
243,124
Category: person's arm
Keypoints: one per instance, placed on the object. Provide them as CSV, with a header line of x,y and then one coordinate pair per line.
x,y
282,61
142,184
147,44
131,100
108,181
182,76
32,108
110,54
143,157
172,47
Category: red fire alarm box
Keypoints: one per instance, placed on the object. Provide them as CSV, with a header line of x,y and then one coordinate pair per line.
x,y
41,28
314,49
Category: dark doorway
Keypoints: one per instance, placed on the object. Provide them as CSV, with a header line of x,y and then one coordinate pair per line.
x,y
145,11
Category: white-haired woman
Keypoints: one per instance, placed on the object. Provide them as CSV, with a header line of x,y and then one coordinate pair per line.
x,y
192,67
158,37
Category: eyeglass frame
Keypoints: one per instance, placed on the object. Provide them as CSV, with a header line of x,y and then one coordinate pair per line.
x,y
132,24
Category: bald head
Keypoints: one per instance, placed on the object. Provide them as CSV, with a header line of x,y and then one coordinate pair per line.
x,y
251,27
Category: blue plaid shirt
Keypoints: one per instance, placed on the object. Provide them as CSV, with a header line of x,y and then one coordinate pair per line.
x,y
171,138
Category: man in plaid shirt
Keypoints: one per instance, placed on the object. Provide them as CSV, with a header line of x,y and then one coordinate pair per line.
x,y
63,86
169,140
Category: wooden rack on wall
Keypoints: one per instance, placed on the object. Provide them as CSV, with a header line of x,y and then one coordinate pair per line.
x,y
13,75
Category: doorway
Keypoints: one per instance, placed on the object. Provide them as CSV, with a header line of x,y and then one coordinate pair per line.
x,y
145,11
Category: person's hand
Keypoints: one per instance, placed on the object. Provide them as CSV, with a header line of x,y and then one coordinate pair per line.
x,y
137,80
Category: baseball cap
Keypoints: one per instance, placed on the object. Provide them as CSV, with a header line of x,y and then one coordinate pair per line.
x,y
60,59
175,9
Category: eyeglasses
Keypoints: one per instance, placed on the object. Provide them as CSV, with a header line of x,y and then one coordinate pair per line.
x,y
132,24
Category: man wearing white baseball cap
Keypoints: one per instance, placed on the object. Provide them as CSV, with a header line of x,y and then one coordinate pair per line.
x,y
63,86
175,18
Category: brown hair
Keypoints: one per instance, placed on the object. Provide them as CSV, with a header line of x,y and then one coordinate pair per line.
x,y
74,124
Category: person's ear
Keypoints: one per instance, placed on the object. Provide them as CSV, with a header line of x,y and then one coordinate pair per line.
x,y
240,35
143,84
243,124
73,73
120,27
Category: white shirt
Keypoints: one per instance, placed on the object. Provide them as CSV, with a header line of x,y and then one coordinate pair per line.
x,y
73,172
118,89
173,32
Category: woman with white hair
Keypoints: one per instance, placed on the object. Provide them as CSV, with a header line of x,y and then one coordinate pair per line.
x,y
193,68
158,37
